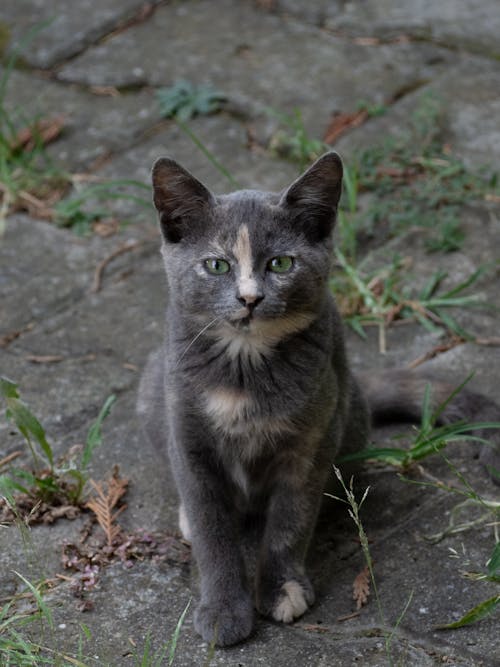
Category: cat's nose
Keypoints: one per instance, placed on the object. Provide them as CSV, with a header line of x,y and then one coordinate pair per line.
x,y
250,300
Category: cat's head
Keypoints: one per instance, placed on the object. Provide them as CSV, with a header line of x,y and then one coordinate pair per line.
x,y
249,260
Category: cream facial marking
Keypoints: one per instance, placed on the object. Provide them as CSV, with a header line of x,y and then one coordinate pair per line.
x,y
242,250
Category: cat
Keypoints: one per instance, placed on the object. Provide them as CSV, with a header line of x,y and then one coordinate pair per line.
x,y
252,394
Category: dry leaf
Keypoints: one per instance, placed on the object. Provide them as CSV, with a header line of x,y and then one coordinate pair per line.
x,y
343,122
361,588
107,497
41,132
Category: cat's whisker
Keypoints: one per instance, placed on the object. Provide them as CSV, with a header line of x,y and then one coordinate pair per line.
x,y
200,333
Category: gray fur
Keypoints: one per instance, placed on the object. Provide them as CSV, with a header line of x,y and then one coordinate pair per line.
x,y
251,393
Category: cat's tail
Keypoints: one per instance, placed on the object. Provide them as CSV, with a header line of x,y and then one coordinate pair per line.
x,y
399,395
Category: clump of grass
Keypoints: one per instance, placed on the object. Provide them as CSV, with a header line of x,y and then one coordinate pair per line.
x,y
181,102
429,439
91,203
418,182
354,507
49,481
382,296
156,658
429,436
293,142
26,171
30,180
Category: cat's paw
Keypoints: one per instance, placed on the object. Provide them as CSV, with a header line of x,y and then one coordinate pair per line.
x,y
225,622
294,599
287,602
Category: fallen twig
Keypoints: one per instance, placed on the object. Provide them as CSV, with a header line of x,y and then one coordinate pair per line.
x,y
121,250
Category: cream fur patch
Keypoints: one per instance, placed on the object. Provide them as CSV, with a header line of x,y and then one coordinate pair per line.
x,y
184,526
259,338
291,604
226,406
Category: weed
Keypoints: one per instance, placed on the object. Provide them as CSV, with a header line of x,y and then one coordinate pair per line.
x,y
380,297
181,102
16,650
353,509
184,100
79,211
63,480
293,142
372,109
26,171
418,182
151,658
429,437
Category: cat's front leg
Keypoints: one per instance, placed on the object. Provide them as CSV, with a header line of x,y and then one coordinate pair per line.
x,y
225,612
284,591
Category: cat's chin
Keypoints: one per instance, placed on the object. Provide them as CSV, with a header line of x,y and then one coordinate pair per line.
x,y
243,324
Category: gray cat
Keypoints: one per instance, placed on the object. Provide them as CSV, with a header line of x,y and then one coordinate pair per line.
x,y
251,394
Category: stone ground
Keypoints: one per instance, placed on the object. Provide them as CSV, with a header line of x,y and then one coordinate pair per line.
x,y
99,63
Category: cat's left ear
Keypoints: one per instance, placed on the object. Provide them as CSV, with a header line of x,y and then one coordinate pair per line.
x,y
180,199
313,198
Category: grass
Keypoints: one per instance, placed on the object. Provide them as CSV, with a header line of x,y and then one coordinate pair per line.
x,y
354,507
418,183
49,479
429,439
24,172
31,180
181,102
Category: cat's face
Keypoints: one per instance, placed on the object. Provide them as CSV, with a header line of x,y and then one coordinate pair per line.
x,y
249,262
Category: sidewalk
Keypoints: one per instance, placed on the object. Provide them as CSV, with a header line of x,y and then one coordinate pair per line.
x,y
99,64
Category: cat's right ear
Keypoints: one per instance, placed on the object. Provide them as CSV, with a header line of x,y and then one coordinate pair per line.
x,y
312,200
179,198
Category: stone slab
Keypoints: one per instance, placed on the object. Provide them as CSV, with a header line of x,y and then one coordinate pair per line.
x,y
62,29
460,24
468,94
284,64
94,124
447,23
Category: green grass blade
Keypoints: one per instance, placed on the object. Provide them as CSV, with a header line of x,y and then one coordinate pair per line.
x,y
493,563
207,153
175,636
475,614
24,419
44,609
388,454
94,437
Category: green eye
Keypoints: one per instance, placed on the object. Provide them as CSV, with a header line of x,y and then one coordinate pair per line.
x,y
216,266
280,264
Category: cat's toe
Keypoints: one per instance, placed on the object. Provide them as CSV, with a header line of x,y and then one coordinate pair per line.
x,y
225,622
294,599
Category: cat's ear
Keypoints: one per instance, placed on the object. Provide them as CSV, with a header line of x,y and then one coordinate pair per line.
x,y
180,199
313,198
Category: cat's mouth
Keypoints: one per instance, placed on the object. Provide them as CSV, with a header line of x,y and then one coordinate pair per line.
x,y
243,319
243,323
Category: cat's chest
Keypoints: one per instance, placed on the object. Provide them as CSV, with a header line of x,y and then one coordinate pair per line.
x,y
244,415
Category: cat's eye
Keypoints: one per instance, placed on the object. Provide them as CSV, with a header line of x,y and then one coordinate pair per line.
x,y
216,266
280,264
